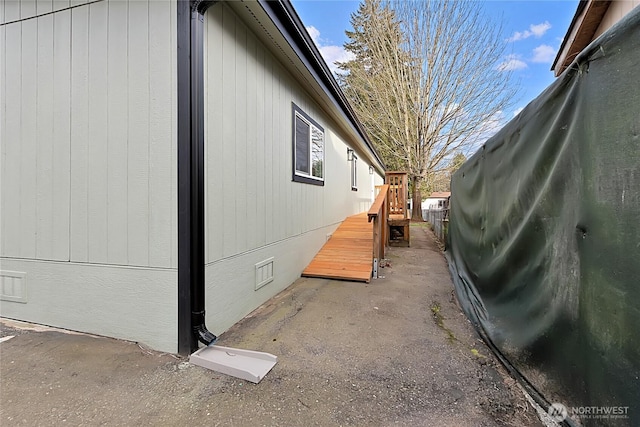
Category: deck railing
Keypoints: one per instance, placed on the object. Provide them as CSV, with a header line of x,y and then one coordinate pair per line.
x,y
378,213
397,193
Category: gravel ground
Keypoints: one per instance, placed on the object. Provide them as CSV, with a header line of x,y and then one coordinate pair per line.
x,y
397,351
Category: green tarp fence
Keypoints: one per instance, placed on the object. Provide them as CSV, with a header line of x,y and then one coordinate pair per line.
x,y
544,236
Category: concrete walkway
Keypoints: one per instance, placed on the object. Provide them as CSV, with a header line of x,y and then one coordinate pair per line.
x,y
396,351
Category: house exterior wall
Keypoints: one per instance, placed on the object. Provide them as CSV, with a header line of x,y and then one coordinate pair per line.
x,y
89,167
432,201
254,210
616,11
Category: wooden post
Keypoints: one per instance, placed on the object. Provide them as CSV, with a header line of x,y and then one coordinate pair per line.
x,y
385,227
378,213
376,237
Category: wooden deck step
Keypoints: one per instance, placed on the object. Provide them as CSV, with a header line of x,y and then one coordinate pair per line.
x,y
348,254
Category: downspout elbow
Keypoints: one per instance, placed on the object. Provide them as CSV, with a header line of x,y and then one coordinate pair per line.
x,y
204,336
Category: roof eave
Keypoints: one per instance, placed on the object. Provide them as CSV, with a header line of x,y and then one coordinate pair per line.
x,y
289,22
584,24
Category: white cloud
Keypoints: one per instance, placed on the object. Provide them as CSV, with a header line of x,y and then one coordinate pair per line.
x,y
535,30
518,111
540,29
543,54
333,54
314,33
330,53
511,63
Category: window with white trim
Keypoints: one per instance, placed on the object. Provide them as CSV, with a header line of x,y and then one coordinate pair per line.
x,y
354,173
308,149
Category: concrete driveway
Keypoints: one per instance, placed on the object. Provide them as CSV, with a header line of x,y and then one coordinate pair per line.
x,y
397,351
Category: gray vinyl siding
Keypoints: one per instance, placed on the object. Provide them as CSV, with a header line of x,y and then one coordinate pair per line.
x,y
35,138
251,199
88,122
16,10
88,167
137,304
254,211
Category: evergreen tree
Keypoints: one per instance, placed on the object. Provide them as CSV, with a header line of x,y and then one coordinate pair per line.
x,y
424,81
360,77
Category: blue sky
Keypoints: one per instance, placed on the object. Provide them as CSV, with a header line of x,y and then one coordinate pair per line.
x,y
534,30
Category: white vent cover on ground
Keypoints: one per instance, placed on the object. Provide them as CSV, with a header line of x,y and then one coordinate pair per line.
x,y
245,364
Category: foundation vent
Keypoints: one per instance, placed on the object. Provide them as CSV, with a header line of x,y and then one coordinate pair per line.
x,y
264,273
13,286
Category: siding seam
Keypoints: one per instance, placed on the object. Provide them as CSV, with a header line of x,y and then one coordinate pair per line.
x,y
274,243
49,13
92,264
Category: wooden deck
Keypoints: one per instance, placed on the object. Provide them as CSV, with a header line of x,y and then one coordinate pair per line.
x,y
348,254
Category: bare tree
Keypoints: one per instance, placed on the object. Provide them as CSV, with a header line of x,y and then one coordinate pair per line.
x,y
425,81
440,180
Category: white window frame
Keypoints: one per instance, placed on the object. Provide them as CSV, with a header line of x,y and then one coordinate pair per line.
x,y
300,175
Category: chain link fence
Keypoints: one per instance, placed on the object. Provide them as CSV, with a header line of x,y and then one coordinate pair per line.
x,y
438,218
